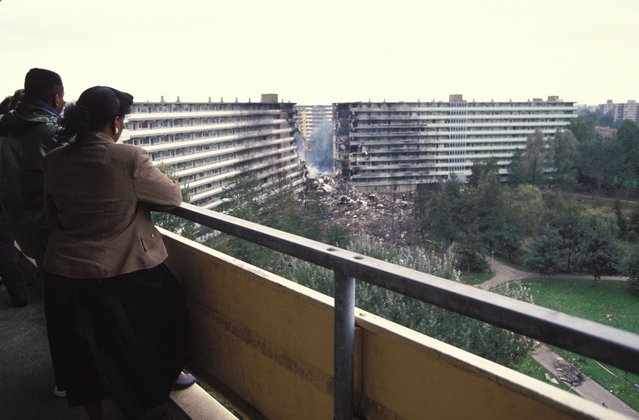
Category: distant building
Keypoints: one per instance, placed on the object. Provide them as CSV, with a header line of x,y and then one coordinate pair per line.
x,y
207,144
310,117
394,146
621,111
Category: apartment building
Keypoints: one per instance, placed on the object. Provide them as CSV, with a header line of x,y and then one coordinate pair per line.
x,y
308,117
207,144
394,146
627,111
621,111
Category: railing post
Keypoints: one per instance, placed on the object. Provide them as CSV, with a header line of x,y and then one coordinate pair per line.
x,y
343,352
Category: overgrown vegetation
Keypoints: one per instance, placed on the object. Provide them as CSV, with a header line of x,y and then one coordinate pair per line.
x,y
477,337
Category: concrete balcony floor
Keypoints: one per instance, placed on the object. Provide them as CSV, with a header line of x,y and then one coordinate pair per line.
x,y
26,387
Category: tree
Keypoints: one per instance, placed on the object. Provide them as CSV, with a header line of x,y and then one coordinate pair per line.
x,y
527,204
479,169
622,225
631,268
534,159
600,222
545,254
562,215
563,155
628,139
606,119
469,254
498,225
445,212
633,225
583,129
600,164
598,256
516,171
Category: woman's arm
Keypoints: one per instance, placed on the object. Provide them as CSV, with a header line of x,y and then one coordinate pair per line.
x,y
152,187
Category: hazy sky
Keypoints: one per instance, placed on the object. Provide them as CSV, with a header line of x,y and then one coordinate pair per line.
x,y
328,50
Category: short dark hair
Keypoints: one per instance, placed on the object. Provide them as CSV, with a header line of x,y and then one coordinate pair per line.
x,y
95,107
5,105
42,84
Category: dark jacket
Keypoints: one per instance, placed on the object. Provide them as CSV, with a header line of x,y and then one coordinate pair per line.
x,y
99,194
26,135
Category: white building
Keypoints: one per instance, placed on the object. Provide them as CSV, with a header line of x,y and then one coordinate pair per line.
x,y
394,146
310,117
207,144
621,111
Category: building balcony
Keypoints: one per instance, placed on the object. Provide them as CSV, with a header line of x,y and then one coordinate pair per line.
x,y
179,115
240,150
434,108
128,134
270,348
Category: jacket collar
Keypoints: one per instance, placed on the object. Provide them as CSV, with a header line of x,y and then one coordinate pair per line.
x,y
94,137
40,104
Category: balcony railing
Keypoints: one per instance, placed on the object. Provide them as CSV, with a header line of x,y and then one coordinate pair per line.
x,y
606,344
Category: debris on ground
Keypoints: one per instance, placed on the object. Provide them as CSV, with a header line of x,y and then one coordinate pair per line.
x,y
391,218
551,379
569,374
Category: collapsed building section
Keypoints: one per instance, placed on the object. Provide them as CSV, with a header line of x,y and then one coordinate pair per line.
x,y
391,147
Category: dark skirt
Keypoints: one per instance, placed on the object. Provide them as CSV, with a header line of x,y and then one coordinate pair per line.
x,y
122,337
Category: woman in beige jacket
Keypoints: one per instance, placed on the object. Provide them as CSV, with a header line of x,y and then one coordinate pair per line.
x,y
115,314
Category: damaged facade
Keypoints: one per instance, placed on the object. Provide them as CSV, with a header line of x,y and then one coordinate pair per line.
x,y
392,147
207,144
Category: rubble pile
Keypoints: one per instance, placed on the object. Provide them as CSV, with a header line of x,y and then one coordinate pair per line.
x,y
390,218
569,374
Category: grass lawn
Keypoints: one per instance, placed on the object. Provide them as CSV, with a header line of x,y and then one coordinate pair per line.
x,y
607,302
468,277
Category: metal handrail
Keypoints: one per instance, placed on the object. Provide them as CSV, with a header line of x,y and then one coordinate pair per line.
x,y
607,344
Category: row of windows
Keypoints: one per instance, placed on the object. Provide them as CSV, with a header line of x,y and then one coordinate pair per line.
x,y
191,122
213,135
427,105
239,148
432,158
209,160
467,112
269,161
191,107
514,124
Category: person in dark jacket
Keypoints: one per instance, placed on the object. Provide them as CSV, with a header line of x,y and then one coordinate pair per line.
x,y
9,270
27,134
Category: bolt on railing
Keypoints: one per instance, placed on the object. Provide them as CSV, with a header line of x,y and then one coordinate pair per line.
x,y
607,344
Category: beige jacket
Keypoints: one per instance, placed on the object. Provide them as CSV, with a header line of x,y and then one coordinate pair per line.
x,y
99,194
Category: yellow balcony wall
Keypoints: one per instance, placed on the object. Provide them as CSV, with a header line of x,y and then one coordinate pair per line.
x,y
266,345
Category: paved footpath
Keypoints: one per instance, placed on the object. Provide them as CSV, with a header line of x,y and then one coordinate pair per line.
x,y
588,389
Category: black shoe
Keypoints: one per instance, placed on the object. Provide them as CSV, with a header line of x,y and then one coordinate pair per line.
x,y
183,382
